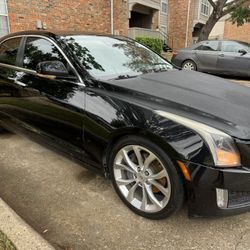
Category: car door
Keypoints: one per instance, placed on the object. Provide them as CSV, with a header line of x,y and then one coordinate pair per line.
x,y
206,54
50,108
9,89
232,61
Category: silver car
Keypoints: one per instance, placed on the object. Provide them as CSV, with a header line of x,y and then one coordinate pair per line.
x,y
217,57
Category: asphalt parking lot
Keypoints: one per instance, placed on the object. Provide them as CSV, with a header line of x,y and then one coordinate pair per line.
x,y
75,209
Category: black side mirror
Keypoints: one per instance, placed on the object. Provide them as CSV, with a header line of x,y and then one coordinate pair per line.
x,y
52,68
242,51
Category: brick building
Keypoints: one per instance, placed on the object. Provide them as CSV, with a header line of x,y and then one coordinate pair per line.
x,y
176,21
85,15
225,29
242,33
186,19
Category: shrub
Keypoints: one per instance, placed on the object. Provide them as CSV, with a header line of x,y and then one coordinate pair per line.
x,y
156,44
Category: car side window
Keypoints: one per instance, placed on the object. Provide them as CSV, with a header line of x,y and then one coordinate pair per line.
x,y
229,46
9,50
208,46
40,50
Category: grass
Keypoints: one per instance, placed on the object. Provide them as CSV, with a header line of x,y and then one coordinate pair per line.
x,y
5,243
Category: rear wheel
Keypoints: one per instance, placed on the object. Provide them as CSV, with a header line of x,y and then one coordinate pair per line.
x,y
145,178
189,65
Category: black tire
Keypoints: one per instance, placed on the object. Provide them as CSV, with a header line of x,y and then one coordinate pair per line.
x,y
177,185
191,64
2,130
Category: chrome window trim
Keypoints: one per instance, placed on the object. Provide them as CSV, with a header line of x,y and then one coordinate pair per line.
x,y
28,71
81,83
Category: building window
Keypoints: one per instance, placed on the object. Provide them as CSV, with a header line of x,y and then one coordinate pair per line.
x,y
205,7
4,26
164,7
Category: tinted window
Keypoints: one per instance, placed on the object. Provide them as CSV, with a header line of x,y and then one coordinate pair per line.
x,y
208,46
108,57
9,50
39,50
245,46
229,46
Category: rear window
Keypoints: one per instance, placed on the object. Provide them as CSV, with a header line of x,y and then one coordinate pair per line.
x,y
208,46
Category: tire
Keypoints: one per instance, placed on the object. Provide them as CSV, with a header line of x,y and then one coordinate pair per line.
x,y
189,65
136,185
2,130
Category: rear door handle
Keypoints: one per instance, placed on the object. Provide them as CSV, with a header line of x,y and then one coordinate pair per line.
x,y
221,55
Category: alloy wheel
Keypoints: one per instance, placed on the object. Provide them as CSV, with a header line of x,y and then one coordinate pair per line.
x,y
189,65
142,178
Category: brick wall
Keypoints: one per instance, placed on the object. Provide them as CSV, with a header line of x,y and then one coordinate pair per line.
x,y
177,24
80,15
233,32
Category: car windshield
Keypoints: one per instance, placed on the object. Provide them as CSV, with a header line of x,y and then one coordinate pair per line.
x,y
115,58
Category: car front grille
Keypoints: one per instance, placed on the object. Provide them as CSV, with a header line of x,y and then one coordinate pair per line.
x,y
238,198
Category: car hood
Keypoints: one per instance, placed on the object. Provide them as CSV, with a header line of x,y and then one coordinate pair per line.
x,y
211,100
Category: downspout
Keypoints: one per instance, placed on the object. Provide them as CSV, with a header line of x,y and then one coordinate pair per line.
x,y
112,16
187,28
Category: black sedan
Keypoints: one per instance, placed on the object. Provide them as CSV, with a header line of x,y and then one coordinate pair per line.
x,y
223,57
163,135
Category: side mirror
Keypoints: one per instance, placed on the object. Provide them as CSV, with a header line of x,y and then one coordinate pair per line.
x,y
52,69
242,52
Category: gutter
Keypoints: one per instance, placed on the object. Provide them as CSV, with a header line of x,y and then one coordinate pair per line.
x,y
112,16
188,14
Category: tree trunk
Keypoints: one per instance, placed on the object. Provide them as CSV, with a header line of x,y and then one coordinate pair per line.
x,y
213,19
207,28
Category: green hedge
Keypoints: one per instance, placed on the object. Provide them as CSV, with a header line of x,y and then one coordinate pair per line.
x,y
155,44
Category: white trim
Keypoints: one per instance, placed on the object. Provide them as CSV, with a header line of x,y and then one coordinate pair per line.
x,y
144,3
112,16
6,15
164,2
199,11
187,28
207,5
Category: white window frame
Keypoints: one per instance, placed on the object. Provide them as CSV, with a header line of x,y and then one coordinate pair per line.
x,y
6,15
204,8
166,4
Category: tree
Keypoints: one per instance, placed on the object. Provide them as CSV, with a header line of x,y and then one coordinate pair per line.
x,y
241,16
237,8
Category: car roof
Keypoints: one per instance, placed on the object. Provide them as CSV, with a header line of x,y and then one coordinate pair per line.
x,y
49,33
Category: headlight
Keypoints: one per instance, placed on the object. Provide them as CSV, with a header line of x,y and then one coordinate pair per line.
x,y
221,145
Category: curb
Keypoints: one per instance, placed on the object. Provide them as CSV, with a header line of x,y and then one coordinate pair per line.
x,y
19,232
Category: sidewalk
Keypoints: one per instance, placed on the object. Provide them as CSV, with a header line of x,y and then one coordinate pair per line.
x,y
20,233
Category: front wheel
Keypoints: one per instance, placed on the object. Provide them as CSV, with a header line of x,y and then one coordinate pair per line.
x,y
145,178
2,130
189,65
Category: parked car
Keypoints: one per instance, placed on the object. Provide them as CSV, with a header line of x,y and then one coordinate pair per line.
x,y
217,57
161,134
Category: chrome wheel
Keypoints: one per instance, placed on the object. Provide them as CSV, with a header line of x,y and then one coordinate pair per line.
x,y
142,179
189,65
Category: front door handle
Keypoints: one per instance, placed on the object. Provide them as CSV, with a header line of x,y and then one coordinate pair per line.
x,y
17,82
20,83
221,55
